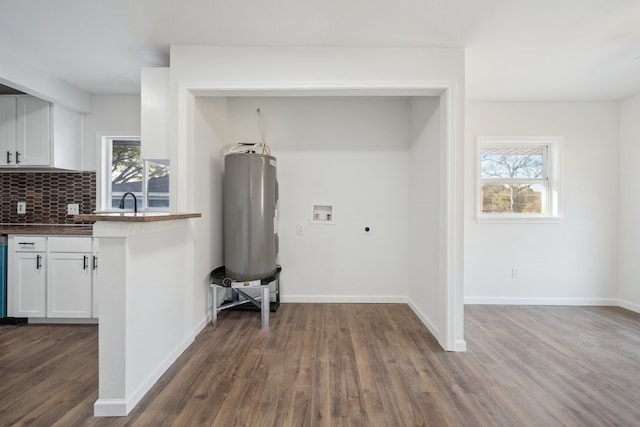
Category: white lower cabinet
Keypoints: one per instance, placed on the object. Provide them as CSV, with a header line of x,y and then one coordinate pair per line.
x,y
69,292
28,280
52,277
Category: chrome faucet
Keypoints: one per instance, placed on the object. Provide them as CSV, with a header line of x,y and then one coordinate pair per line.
x,y
135,201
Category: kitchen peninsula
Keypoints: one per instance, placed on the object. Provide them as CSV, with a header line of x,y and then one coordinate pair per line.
x,y
144,323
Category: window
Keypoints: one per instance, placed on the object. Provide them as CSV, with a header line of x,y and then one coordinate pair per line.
x,y
518,179
124,171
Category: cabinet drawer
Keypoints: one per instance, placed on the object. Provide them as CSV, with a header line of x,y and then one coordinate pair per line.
x,y
69,244
30,243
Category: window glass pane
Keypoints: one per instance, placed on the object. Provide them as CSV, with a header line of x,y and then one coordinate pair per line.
x,y
126,172
512,198
158,184
521,163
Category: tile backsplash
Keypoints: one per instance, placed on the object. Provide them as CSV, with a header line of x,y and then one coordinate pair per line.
x,y
46,195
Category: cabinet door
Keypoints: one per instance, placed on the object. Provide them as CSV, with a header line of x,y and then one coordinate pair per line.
x,y
7,131
69,293
33,135
95,265
28,277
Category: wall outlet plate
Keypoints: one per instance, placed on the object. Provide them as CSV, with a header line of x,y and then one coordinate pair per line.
x,y
73,209
22,208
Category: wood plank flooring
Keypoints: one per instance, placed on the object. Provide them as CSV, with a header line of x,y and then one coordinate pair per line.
x,y
349,365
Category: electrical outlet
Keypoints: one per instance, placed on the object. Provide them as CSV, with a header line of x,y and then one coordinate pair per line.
x,y
515,273
73,209
22,208
299,230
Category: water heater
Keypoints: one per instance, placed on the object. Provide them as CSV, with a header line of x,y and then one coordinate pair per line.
x,y
250,216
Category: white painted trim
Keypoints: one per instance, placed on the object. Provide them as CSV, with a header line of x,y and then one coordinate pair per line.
x,y
460,345
541,301
202,323
554,157
451,276
425,320
453,289
110,408
61,321
347,299
502,219
122,407
155,376
318,88
629,305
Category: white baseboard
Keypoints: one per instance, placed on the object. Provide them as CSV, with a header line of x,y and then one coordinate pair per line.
x,y
541,301
61,321
629,305
110,408
353,299
460,346
201,325
122,407
426,321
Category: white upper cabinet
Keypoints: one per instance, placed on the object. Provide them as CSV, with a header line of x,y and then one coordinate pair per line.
x,y
7,130
154,126
8,114
25,131
33,132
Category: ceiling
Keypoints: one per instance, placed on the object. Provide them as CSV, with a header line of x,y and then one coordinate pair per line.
x,y
516,49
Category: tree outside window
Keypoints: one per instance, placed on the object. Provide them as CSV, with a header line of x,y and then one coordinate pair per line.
x,y
518,178
148,180
513,180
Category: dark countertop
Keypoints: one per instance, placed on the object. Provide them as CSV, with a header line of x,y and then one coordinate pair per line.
x,y
47,229
134,217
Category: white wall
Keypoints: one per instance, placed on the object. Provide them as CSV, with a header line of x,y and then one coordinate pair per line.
x,y
210,130
317,72
629,204
573,262
67,138
145,323
352,152
425,203
20,76
111,115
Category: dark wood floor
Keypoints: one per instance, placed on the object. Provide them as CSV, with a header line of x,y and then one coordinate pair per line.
x,y
351,365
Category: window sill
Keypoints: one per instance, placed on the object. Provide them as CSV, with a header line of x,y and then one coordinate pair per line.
x,y
519,219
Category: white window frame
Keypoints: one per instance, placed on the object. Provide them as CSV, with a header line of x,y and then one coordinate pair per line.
x,y
105,160
551,163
